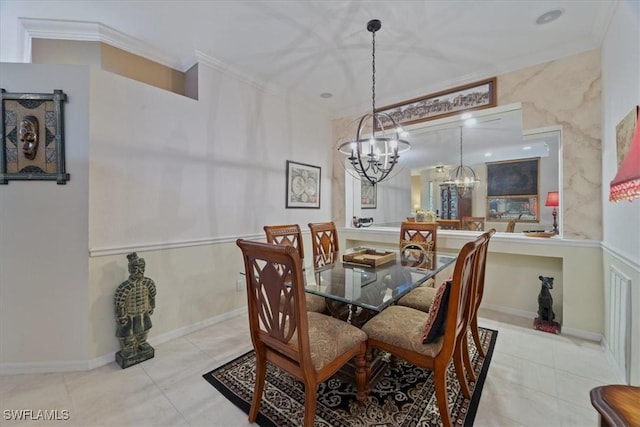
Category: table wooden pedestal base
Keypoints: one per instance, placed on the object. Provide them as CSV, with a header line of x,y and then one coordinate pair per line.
x,y
379,365
358,316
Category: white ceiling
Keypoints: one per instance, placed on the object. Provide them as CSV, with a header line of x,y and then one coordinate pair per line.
x,y
305,48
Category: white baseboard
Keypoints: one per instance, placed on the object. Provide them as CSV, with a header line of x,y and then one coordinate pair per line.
x,y
578,333
85,365
43,367
510,310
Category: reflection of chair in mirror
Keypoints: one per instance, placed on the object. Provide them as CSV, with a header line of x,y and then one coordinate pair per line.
x,y
511,226
422,339
310,346
448,224
422,234
473,223
291,235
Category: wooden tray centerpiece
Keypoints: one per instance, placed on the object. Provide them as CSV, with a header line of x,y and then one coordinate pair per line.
x,y
369,257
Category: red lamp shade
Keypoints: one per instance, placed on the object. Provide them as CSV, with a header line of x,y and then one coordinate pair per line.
x,y
626,184
553,199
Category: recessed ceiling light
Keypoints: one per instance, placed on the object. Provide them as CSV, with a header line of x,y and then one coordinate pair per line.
x,y
549,16
526,147
488,154
326,95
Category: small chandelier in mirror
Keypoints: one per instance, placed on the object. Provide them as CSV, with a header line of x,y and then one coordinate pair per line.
x,y
463,178
374,153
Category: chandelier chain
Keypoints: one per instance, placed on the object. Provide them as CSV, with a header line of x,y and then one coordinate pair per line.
x,y
373,73
372,156
460,145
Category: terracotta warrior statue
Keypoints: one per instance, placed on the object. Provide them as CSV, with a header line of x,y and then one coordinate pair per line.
x,y
134,304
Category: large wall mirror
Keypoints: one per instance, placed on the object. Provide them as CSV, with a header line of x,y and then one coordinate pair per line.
x,y
494,144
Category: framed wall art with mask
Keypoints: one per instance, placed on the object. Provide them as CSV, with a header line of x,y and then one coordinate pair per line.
x,y
32,131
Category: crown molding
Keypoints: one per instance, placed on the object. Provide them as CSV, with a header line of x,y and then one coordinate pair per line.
x,y
30,28
211,62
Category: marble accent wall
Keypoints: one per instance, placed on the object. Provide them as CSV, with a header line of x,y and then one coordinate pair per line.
x,y
342,130
565,92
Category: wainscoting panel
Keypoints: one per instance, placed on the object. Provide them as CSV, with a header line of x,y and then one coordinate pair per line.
x,y
619,329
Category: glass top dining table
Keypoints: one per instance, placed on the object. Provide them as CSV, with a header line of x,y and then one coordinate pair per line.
x,y
372,287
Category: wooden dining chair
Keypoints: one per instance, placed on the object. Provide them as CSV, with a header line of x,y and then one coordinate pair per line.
x,y
422,236
422,338
421,298
287,234
511,226
479,290
425,233
462,346
473,223
324,238
309,346
291,235
448,224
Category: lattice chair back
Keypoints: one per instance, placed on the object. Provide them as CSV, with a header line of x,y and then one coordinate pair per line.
x,y
324,237
287,235
425,233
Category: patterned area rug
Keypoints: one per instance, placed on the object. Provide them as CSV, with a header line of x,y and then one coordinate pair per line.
x,y
405,396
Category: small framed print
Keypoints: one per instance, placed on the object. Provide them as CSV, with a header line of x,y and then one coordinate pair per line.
x,y
368,195
32,137
303,185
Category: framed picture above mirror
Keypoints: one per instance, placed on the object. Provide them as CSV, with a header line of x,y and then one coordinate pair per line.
x,y
469,97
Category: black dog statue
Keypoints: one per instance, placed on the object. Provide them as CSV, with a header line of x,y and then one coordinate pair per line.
x,y
545,301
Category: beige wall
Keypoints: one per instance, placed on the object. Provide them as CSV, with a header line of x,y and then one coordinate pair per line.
x,y
175,179
143,70
70,52
566,92
118,61
194,284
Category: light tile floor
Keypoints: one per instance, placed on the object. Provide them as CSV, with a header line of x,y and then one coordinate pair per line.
x,y
535,379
